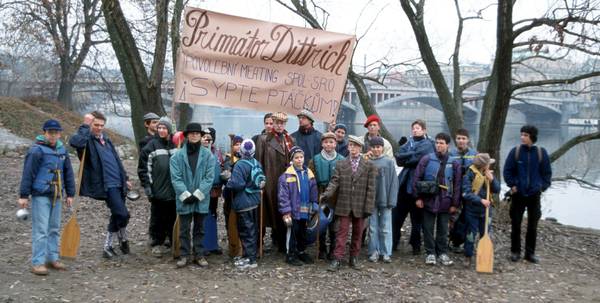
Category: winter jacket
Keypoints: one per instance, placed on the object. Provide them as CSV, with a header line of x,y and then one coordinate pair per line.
x,y
342,148
92,183
323,168
310,142
154,168
464,159
238,183
147,138
529,174
387,182
186,184
472,200
446,197
289,192
355,191
387,146
39,170
408,157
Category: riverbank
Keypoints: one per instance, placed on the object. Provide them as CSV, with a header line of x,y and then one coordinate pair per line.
x,y
568,271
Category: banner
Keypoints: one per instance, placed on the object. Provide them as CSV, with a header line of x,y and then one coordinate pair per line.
x,y
231,61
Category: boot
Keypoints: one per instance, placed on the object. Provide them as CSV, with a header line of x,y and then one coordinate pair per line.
x,y
354,262
334,265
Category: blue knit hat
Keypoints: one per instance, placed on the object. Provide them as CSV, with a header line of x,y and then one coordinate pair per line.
x,y
294,150
340,125
51,125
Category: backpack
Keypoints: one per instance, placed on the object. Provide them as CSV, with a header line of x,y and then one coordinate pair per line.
x,y
256,176
538,149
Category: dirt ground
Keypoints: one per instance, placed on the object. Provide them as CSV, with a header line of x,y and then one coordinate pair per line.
x,y
569,270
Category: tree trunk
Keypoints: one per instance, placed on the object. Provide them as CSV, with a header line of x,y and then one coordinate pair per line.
x,y
185,110
498,93
142,97
65,91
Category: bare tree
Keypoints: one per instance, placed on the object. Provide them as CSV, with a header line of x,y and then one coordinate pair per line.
x,y
72,28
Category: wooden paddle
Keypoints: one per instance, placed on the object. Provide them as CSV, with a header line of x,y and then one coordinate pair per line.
x,y
260,232
69,241
485,247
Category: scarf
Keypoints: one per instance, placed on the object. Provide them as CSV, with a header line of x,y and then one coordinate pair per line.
x,y
304,192
328,156
478,181
289,143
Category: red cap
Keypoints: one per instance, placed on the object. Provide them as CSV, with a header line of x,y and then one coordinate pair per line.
x,y
178,138
372,118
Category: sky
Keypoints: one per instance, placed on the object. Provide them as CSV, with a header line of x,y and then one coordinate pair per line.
x,y
390,35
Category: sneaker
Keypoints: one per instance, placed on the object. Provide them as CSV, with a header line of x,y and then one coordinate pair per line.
x,y
334,265
39,270
240,261
515,257
373,257
387,259
354,262
108,252
124,246
305,258
430,259
293,261
445,260
56,265
201,261
182,262
157,251
532,258
248,265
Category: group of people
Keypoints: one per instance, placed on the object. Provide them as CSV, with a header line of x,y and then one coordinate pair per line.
x,y
284,182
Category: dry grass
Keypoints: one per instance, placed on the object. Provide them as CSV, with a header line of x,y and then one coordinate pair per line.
x,y
25,118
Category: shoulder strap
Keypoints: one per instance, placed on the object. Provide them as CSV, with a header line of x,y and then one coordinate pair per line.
x,y
517,151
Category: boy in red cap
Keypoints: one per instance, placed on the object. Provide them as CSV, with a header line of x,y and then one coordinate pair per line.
x,y
373,126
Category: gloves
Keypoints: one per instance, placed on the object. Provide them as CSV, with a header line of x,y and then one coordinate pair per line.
x,y
262,184
148,191
402,141
198,194
225,175
190,200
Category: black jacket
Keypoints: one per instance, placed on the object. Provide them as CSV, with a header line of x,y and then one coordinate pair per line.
x,y
153,168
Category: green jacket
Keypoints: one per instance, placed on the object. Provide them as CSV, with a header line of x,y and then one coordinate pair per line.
x,y
185,183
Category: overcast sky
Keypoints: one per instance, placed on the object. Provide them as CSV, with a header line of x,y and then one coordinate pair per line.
x,y
391,35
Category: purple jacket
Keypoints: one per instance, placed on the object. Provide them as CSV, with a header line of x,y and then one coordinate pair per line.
x,y
441,202
289,195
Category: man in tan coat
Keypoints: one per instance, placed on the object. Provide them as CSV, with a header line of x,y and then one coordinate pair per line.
x,y
354,182
272,151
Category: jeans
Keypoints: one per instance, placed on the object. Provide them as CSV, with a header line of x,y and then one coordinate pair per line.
x,y
162,218
380,232
534,213
406,205
248,230
475,225
297,242
341,236
119,215
439,244
45,231
198,234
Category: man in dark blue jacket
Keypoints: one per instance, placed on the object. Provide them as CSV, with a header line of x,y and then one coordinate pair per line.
x,y
528,173
104,177
307,137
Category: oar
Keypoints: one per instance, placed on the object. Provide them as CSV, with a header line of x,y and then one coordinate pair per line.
x,y
485,247
69,242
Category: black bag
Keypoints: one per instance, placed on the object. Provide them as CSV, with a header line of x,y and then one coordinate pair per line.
x,y
427,187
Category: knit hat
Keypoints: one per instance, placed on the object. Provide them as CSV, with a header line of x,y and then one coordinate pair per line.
x,y
340,125
247,149
151,116
306,113
483,159
355,140
167,123
372,118
376,141
51,125
212,132
192,127
327,135
279,116
532,131
294,150
236,139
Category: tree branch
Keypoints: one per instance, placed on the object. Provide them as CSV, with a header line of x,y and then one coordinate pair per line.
x,y
572,80
571,143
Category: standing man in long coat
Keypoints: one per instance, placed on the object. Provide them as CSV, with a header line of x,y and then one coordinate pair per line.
x,y
272,152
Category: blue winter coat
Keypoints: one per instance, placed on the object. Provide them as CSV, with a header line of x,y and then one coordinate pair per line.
x,y
445,198
237,184
92,183
465,160
342,148
530,175
289,194
310,142
38,170
408,157
324,169
185,182
471,200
